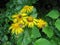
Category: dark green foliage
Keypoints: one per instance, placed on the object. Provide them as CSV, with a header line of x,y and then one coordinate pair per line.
x,y
47,10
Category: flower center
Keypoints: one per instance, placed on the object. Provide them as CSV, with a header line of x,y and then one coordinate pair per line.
x,y
21,25
30,19
20,16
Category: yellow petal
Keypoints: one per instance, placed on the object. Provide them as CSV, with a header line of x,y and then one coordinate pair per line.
x,y
14,16
24,14
15,20
30,24
10,27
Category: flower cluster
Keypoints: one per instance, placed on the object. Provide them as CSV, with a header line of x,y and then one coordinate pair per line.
x,y
22,20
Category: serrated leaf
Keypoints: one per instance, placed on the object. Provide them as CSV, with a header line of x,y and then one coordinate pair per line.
x,y
35,33
54,14
57,24
48,31
42,41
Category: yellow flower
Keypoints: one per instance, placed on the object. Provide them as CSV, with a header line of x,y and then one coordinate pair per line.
x,y
26,9
16,28
22,24
41,23
30,21
19,17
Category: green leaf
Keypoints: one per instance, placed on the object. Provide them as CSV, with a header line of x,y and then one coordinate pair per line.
x,y
34,13
4,38
54,14
7,43
24,39
35,33
42,41
53,42
26,2
20,39
57,24
48,31
27,38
